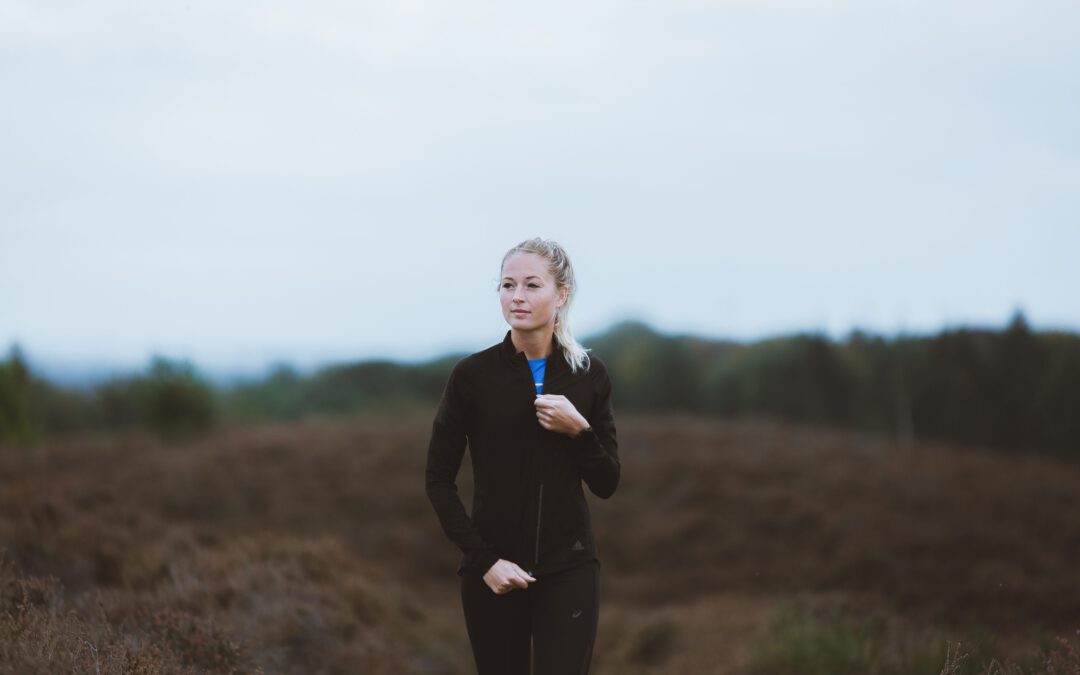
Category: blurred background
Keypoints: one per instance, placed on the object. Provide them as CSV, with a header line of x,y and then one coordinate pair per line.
x,y
828,251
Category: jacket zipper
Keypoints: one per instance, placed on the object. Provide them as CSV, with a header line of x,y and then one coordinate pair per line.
x,y
539,512
540,499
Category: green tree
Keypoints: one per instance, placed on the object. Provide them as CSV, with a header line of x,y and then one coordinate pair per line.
x,y
15,414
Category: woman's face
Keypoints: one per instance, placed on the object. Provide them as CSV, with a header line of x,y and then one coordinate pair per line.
x,y
528,294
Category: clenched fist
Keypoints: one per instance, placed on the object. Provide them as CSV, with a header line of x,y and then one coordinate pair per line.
x,y
505,575
556,413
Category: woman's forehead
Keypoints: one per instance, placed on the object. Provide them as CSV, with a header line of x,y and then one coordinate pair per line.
x,y
524,264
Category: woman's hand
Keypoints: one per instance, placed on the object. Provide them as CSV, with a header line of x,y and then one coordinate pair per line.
x,y
504,576
557,413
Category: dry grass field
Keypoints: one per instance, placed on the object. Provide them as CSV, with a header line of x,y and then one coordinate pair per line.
x,y
730,547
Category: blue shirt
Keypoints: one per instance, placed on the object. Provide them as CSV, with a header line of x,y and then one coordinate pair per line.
x,y
537,366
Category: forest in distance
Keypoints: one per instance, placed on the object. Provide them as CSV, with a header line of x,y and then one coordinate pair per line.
x,y
1013,389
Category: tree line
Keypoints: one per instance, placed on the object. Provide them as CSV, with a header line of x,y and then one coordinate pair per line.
x,y
1014,389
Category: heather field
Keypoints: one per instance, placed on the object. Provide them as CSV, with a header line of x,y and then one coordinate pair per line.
x,y
730,547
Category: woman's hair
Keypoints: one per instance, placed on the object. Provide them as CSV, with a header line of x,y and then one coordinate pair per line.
x,y
559,266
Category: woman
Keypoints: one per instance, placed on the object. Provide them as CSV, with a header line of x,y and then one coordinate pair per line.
x,y
535,411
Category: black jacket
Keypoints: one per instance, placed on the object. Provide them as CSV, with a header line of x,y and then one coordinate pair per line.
x,y
528,504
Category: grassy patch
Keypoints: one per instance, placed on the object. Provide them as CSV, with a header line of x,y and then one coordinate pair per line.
x,y
828,638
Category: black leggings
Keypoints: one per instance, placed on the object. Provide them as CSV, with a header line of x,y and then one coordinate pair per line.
x,y
559,612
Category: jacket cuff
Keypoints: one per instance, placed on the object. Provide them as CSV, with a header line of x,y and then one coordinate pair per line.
x,y
588,439
480,562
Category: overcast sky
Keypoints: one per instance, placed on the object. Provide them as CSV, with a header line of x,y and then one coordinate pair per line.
x,y
242,182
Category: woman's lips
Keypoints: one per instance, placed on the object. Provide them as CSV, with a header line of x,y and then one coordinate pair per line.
x,y
519,312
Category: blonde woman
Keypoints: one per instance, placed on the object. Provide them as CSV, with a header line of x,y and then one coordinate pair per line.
x,y
535,411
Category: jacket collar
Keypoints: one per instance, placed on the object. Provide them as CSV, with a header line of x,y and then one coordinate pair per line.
x,y
556,361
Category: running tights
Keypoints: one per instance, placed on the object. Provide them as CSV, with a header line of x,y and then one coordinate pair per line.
x,y
558,613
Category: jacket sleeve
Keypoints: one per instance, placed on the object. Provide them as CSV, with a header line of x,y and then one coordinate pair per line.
x,y
445,451
598,449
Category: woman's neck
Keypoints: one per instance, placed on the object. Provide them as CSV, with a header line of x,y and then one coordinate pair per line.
x,y
535,344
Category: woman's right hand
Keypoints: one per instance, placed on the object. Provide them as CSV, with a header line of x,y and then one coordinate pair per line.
x,y
504,576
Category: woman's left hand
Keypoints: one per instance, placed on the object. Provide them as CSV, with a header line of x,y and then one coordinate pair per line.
x,y
556,413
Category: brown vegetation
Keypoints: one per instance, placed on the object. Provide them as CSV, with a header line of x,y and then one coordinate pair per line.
x,y
311,548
